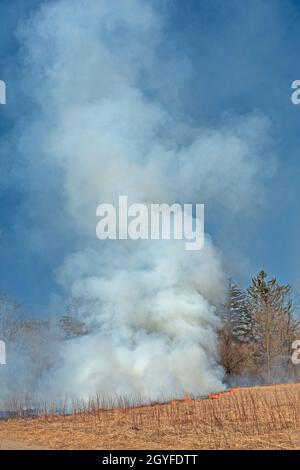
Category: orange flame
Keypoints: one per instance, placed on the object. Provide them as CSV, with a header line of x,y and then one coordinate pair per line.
x,y
213,396
187,398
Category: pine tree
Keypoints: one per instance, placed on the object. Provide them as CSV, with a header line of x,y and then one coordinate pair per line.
x,y
274,327
236,330
236,316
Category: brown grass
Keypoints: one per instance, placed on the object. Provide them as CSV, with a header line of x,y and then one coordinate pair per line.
x,y
244,418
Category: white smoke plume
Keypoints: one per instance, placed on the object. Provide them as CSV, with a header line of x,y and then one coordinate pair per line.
x,y
100,129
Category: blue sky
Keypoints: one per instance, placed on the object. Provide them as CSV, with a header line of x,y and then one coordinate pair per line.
x,y
237,57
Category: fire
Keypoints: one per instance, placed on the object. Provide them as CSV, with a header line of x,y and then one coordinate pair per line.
x,y
187,398
217,395
213,396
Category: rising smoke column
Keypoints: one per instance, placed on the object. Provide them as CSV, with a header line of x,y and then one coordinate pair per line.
x,y
100,130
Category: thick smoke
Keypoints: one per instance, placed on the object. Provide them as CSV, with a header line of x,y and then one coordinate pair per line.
x,y
100,130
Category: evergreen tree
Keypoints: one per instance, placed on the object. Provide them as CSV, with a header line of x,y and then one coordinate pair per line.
x,y
236,315
236,330
273,325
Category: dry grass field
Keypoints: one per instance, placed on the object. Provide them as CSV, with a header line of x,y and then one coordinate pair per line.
x,y
244,418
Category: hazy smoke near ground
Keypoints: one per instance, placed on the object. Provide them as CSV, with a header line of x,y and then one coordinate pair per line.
x,y
100,130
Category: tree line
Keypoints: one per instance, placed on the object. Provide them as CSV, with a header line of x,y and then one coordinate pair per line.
x,y
258,326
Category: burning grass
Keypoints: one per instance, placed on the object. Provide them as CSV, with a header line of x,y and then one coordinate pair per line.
x,y
244,418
